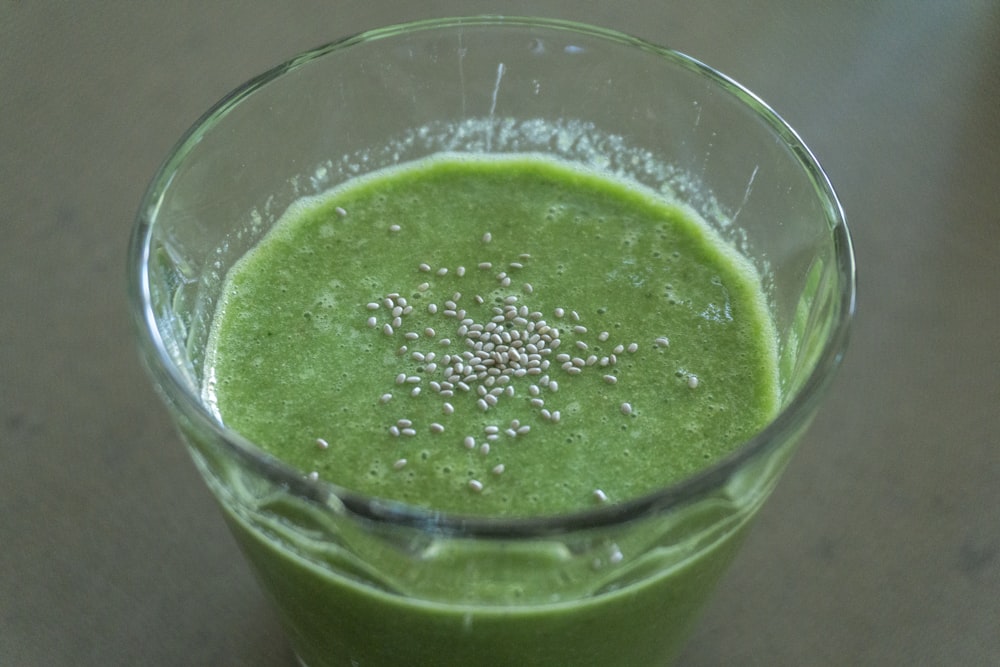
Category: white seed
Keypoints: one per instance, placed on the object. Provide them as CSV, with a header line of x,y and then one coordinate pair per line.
x,y
460,271
553,385
662,341
398,465
523,428
485,266
313,476
404,423
413,379
418,356
372,322
498,469
432,308
575,315
411,335
341,211
408,432
424,267
610,379
387,330
582,345
632,347
484,449
528,289
394,431
372,306
482,405
600,496
423,287
442,271
394,228
321,443
385,398
693,381
580,329
401,378
560,312
556,416
603,336
469,442
436,428
626,408
448,409
415,391
475,485
487,237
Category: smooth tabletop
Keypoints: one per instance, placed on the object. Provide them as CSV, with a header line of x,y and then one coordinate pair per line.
x,y
881,545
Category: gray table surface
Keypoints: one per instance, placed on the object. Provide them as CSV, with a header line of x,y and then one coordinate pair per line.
x,y
881,546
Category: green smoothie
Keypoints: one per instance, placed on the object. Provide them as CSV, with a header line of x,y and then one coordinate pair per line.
x,y
492,337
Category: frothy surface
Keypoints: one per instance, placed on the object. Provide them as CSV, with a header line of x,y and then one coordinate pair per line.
x,y
493,337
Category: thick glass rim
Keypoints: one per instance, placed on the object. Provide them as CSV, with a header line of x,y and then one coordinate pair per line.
x,y
782,427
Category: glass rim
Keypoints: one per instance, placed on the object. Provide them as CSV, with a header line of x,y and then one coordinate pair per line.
x,y
781,427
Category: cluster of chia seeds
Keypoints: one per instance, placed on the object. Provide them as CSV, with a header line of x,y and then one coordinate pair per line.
x,y
484,354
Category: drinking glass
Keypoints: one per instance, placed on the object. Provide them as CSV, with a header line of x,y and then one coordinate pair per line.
x,y
363,581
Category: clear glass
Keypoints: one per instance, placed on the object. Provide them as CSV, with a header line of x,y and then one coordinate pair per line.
x,y
360,581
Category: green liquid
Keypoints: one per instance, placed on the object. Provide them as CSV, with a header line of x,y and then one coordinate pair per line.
x,y
669,365
611,270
